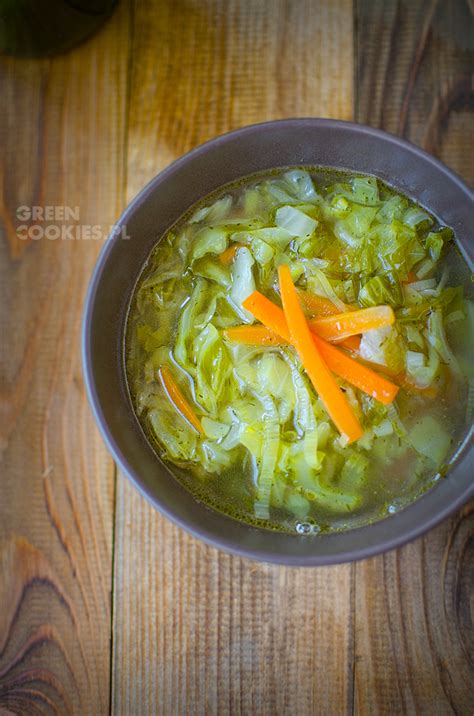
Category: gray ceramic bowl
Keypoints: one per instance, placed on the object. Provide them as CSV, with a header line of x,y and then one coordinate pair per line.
x,y
342,145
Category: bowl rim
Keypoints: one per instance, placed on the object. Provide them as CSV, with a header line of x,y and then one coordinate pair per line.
x,y
385,542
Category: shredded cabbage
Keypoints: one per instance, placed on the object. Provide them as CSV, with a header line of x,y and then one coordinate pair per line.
x,y
294,221
437,338
301,185
321,285
267,442
268,457
209,241
430,439
243,282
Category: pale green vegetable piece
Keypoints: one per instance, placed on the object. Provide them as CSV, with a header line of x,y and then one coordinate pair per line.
x,y
273,236
213,368
175,436
430,439
424,268
294,221
437,337
333,500
301,185
297,504
243,282
377,291
354,470
384,428
274,377
213,270
422,371
213,457
215,213
251,437
365,190
319,284
372,345
187,321
214,429
268,458
262,251
414,216
209,241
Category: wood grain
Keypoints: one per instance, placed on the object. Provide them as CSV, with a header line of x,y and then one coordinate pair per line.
x,y
414,637
414,65
197,631
203,68
194,630
62,127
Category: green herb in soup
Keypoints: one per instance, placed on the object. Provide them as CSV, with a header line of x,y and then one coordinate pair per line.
x,y
299,348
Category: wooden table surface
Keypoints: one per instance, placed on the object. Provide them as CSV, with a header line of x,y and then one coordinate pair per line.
x,y
104,604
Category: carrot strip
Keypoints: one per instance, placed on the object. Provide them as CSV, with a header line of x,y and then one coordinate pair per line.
x,y
263,336
227,256
380,367
351,323
267,313
401,379
328,390
355,373
319,305
177,398
253,336
352,343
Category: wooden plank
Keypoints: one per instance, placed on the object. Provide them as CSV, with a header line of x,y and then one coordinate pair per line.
x,y
414,74
62,126
201,69
413,612
197,631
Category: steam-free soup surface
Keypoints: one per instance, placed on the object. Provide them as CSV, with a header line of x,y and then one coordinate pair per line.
x,y
235,411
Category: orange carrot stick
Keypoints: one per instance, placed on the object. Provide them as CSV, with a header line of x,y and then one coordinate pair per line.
x,y
263,336
355,373
227,256
267,313
328,390
352,343
320,306
351,323
253,336
177,398
401,379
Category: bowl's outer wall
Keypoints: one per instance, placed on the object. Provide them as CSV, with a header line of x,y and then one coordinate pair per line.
x,y
329,143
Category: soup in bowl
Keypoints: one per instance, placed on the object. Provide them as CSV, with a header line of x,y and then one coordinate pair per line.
x,y
280,356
